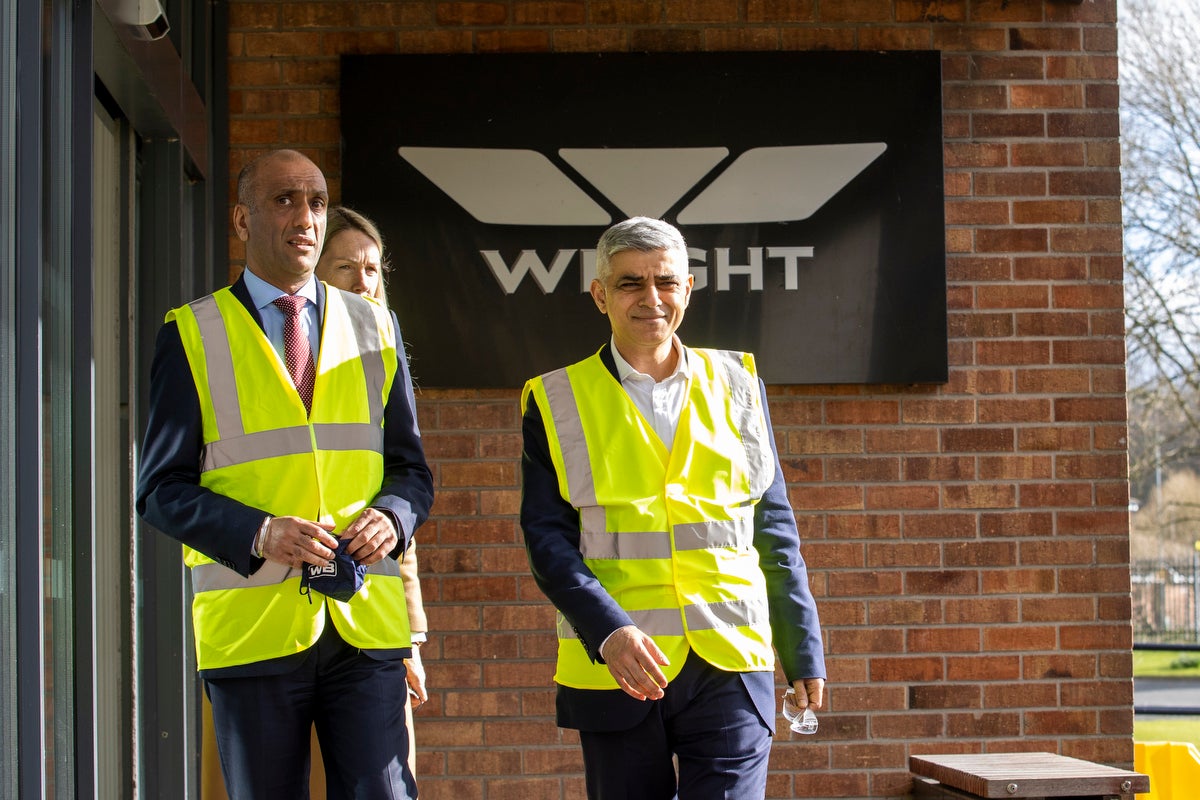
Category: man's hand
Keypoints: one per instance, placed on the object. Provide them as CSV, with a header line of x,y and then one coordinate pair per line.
x,y
372,536
809,692
295,542
634,659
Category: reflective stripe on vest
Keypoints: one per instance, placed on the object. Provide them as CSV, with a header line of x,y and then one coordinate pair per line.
x,y
220,366
729,614
292,441
212,576
734,533
710,616
570,436
652,621
744,408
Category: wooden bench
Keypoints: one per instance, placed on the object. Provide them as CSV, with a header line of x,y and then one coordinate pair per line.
x,y
1029,776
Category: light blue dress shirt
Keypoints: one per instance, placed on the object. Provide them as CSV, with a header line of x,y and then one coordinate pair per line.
x,y
263,295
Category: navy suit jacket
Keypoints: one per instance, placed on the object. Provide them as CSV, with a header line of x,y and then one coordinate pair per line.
x,y
169,494
551,527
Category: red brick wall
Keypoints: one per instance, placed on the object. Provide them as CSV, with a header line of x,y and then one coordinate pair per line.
x,y
968,542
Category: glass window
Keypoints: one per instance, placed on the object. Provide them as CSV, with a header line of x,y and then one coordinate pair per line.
x,y
58,434
8,161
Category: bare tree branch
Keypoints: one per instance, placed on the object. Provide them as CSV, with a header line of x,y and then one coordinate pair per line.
x,y
1160,118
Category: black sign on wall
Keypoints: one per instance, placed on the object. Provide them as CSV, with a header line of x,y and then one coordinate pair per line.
x,y
807,185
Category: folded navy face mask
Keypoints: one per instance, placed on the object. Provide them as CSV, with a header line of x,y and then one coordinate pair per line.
x,y
341,579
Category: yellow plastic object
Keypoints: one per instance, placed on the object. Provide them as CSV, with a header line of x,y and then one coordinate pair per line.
x,y
1173,767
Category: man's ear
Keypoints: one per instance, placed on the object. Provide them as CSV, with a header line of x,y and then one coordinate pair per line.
x,y
240,223
597,289
687,293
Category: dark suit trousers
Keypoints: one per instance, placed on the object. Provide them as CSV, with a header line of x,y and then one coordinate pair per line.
x,y
263,724
707,719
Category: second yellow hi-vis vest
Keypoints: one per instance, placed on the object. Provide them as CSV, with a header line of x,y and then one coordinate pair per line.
x,y
263,449
669,534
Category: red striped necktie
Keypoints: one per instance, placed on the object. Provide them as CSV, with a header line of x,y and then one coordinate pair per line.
x,y
296,349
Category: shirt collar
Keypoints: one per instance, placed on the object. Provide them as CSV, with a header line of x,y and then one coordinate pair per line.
x,y
263,294
625,370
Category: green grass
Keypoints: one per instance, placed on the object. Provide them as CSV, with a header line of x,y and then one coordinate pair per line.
x,y
1173,664
1164,664
1167,729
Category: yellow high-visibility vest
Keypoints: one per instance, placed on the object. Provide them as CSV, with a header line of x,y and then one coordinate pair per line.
x,y
263,449
669,534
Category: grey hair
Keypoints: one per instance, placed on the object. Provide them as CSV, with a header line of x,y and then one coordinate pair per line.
x,y
636,233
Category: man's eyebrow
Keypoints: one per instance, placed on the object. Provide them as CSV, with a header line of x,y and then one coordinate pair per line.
x,y
302,190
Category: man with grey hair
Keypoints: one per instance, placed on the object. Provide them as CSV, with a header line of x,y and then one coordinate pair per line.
x,y
657,522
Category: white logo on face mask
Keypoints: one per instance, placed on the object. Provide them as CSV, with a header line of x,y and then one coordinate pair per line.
x,y
316,571
762,185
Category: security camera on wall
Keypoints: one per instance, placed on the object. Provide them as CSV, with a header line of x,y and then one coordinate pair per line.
x,y
145,17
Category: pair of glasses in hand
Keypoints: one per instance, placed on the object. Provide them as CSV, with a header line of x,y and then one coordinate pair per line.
x,y
801,721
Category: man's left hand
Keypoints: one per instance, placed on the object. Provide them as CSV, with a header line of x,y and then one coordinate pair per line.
x,y
809,692
372,536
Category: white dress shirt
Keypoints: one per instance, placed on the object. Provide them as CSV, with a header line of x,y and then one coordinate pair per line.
x,y
659,401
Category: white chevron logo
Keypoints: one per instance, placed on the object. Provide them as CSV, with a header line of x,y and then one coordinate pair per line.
x,y
524,187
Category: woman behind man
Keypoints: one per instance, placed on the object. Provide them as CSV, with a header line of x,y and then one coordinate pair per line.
x,y
352,259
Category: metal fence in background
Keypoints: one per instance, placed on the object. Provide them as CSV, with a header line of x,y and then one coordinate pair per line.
x,y
1166,607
